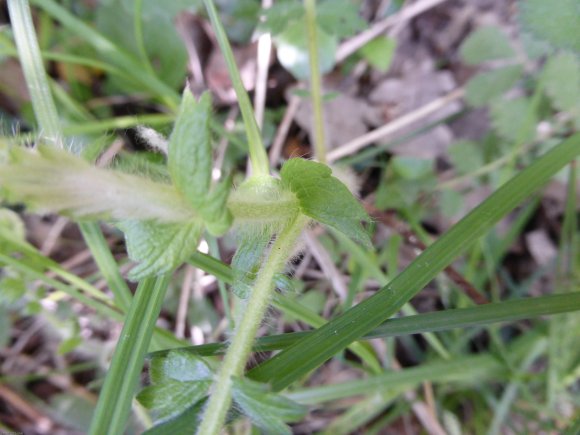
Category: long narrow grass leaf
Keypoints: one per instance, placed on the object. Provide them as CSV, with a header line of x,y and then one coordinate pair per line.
x,y
36,80
258,155
314,350
117,394
509,311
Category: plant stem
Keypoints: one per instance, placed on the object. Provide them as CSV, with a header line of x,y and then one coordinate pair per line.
x,y
36,81
315,82
239,351
258,157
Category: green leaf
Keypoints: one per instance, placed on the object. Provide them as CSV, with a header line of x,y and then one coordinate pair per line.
x,y
561,78
486,86
266,410
12,286
69,345
292,50
533,47
171,398
190,163
159,247
190,155
115,19
486,43
466,156
339,18
555,22
179,366
451,202
514,120
182,424
179,380
324,198
379,52
247,261
412,168
280,14
215,213
10,223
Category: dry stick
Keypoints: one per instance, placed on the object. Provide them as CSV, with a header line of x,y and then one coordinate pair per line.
x,y
183,27
283,129
317,136
326,264
184,297
399,123
352,45
53,236
263,63
41,423
390,219
109,154
421,409
222,147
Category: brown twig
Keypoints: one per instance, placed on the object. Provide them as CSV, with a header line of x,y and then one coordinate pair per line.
x,y
42,424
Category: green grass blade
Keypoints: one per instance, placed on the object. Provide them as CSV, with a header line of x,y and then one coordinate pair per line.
x,y
469,369
120,122
100,306
314,350
36,80
479,315
117,394
501,411
106,263
122,59
212,266
100,302
258,157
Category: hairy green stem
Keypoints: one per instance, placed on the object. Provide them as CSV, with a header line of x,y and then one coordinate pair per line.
x,y
36,80
239,351
263,212
258,157
315,82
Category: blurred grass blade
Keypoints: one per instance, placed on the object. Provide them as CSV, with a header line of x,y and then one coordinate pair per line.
x,y
122,59
36,81
258,157
117,394
314,350
479,315
107,265
469,369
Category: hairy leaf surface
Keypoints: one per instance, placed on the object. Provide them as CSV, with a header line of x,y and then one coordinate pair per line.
x,y
158,247
324,198
265,409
